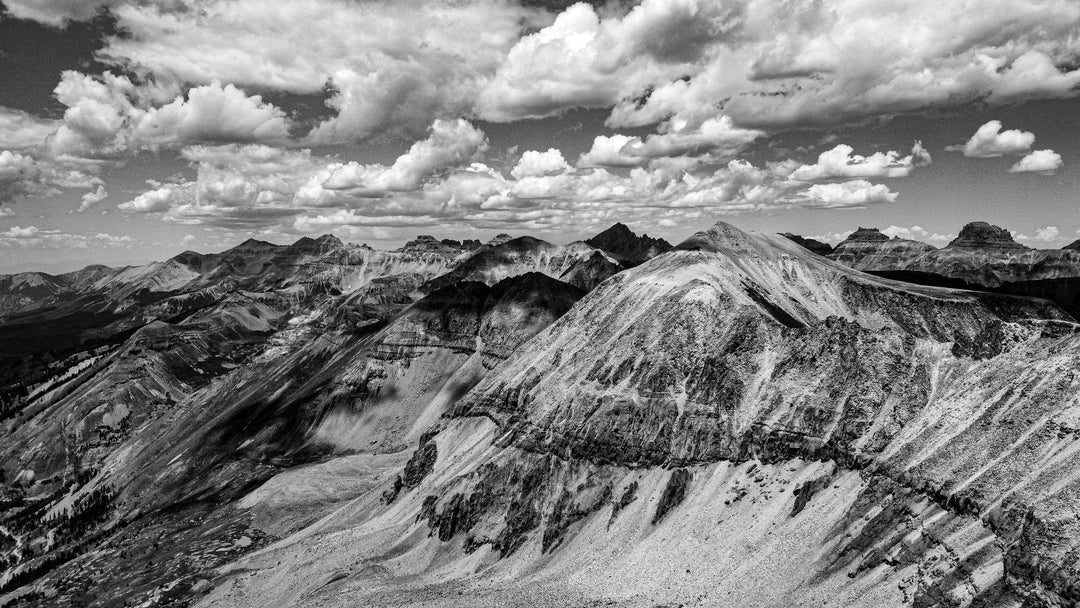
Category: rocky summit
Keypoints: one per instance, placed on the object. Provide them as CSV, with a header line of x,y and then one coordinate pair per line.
x,y
984,235
735,421
620,241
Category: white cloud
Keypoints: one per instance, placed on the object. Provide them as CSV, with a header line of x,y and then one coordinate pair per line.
x,y
1048,234
22,132
840,163
212,113
608,151
450,143
856,193
676,138
92,198
109,114
55,12
534,163
390,66
153,201
396,66
917,233
1038,161
32,237
990,141
6,212
22,175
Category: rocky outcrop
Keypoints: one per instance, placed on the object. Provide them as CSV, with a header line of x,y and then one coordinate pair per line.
x,y
430,244
868,248
622,243
811,244
982,257
982,235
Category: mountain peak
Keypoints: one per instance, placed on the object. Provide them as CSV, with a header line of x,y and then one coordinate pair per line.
x,y
812,244
499,239
620,240
721,238
867,235
984,235
1073,245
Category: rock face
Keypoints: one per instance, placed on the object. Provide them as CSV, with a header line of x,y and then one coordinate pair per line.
x,y
811,244
621,242
868,248
984,235
812,433
982,257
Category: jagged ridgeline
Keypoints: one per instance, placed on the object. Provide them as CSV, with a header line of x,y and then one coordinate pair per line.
x,y
982,257
732,421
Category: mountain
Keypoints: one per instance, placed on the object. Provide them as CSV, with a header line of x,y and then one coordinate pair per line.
x,y
813,245
621,242
583,265
737,421
794,432
868,248
981,257
1075,245
143,403
982,235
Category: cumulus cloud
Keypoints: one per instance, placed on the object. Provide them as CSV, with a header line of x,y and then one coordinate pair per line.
x,y
390,66
675,139
451,143
1045,162
840,163
154,201
989,141
109,113
93,197
396,66
608,151
534,163
852,194
1048,234
212,113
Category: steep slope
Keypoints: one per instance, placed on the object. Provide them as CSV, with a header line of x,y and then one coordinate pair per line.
x,y
735,423
160,437
21,290
622,243
983,257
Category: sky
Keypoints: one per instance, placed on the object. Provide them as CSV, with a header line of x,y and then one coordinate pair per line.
x,y
133,130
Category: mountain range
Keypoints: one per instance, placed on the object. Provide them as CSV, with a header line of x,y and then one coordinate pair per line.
x,y
737,420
